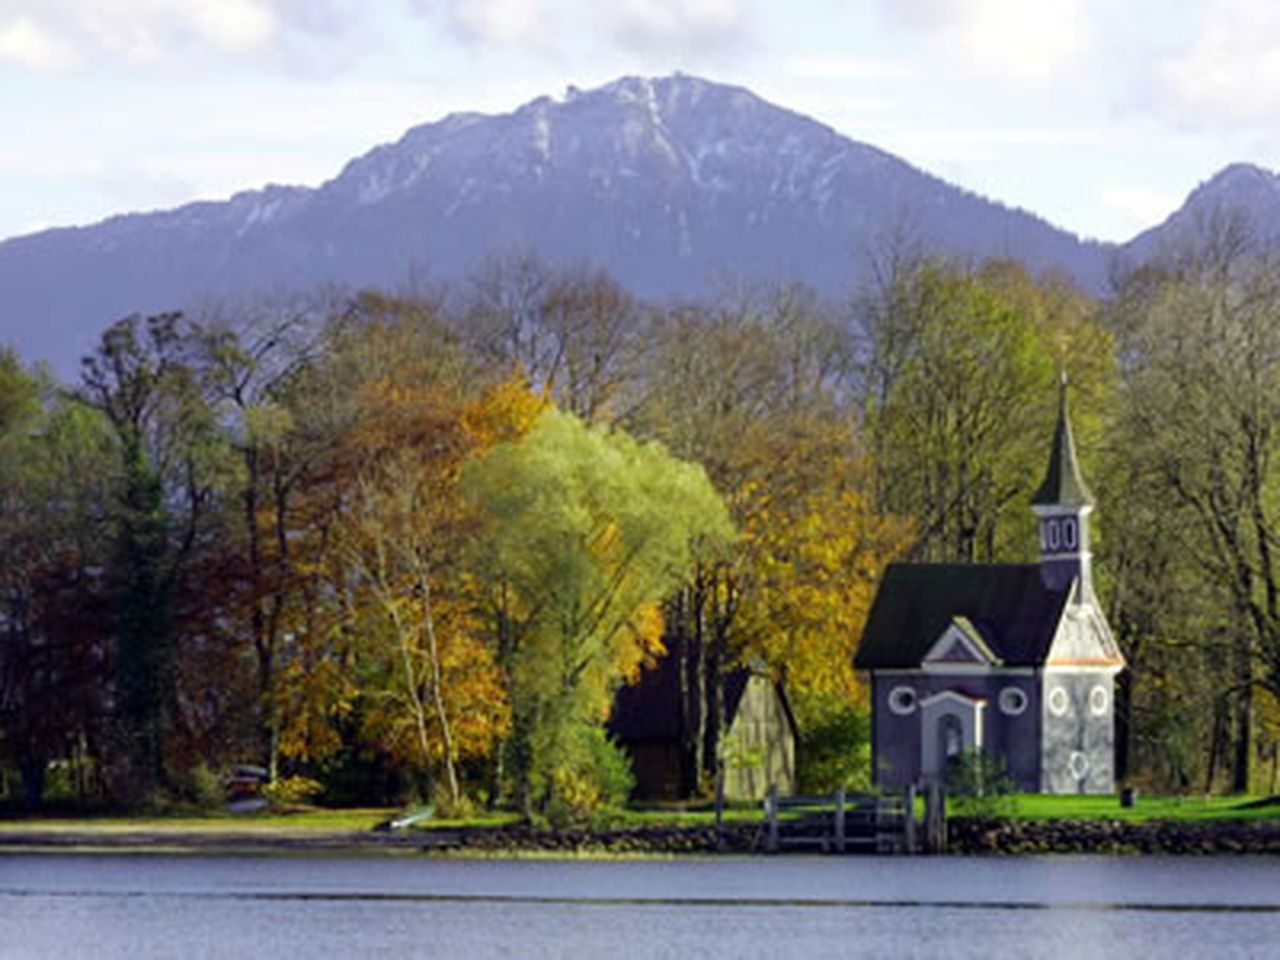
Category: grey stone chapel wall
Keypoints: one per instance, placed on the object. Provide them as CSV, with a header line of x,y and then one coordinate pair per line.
x,y
896,739
1015,739
1078,746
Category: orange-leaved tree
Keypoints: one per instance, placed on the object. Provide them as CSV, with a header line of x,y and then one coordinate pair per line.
x,y
432,693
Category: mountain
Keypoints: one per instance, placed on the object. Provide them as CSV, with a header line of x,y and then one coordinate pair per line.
x,y
672,184
1240,186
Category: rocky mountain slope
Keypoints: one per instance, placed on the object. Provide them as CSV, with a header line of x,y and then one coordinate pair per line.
x,y
674,185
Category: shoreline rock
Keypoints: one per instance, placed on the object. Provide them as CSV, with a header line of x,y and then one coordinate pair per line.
x,y
971,835
967,836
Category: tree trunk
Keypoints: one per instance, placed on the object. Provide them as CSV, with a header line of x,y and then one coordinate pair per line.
x,y
32,770
701,717
506,649
1124,724
1215,739
437,697
1243,745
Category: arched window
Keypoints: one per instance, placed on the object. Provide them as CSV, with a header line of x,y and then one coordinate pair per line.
x,y
951,736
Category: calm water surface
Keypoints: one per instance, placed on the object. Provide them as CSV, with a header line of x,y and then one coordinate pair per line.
x,y
142,907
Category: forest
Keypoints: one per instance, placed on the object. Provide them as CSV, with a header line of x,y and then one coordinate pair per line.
x,y
407,546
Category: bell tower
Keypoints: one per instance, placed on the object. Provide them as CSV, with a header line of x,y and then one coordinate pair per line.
x,y
1063,505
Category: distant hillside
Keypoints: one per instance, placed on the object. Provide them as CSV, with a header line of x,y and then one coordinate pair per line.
x,y
1240,186
672,184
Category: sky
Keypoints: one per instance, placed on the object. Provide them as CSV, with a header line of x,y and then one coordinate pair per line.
x,y
1099,115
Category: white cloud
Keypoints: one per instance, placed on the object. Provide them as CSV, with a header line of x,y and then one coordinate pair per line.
x,y
1021,39
687,25
850,68
503,23
1229,74
25,42
46,33
1138,205
631,26
55,33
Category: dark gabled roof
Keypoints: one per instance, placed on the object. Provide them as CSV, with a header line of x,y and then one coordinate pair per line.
x,y
1008,604
1063,484
649,709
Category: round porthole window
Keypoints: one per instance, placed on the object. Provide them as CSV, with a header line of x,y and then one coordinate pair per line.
x,y
1058,702
1099,700
1013,702
902,700
1078,765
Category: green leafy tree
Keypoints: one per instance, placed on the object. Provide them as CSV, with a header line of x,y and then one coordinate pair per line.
x,y
1200,433
590,530
53,469
139,380
957,385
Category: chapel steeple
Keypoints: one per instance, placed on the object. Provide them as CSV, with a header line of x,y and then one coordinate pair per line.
x,y
1063,504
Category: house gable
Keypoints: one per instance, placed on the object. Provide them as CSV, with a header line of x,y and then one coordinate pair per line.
x,y
961,646
1083,639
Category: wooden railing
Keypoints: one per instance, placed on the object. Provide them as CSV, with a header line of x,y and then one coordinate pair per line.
x,y
845,822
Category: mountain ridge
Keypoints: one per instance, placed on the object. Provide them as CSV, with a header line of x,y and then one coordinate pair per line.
x,y
673,184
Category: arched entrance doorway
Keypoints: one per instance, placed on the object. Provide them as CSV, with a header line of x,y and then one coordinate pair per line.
x,y
950,726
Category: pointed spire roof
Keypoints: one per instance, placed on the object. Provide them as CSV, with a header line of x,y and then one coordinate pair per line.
x,y
1063,485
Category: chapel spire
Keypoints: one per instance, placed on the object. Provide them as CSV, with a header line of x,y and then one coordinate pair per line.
x,y
1063,504
1063,485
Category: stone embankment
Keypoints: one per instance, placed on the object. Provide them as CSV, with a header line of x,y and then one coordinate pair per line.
x,y
971,835
657,840
966,836
511,840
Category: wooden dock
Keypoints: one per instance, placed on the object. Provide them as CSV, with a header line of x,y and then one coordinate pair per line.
x,y
845,822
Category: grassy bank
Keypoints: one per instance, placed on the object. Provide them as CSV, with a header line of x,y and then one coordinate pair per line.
x,y
314,820
1200,808
317,819
1030,824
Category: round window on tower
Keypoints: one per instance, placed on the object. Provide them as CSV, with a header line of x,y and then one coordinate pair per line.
x,y
1069,538
1078,765
902,700
1099,700
1059,702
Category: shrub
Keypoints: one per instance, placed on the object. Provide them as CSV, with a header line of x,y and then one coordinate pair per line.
x,y
291,790
834,748
593,776
205,787
978,785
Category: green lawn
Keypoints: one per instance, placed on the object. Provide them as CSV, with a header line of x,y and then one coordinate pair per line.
x,y
685,818
1040,807
1023,806
313,819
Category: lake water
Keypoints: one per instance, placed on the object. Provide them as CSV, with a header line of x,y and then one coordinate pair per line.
x,y
150,906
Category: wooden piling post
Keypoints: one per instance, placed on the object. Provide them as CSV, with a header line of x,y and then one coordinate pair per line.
x,y
840,799
909,821
935,818
771,809
719,807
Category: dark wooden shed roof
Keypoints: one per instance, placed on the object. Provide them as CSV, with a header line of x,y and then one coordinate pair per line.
x,y
649,710
1008,604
